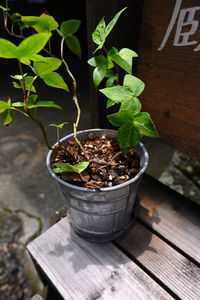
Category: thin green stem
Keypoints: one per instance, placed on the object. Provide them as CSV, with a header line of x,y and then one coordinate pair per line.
x,y
21,111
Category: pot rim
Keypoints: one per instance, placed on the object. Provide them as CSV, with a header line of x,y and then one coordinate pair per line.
x,y
105,189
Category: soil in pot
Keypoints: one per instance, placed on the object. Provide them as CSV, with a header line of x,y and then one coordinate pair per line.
x,y
108,167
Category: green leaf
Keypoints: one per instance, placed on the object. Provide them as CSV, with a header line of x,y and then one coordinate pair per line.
x,y
120,118
97,61
17,104
15,18
44,104
32,45
133,105
112,23
110,82
134,84
18,77
99,35
127,53
43,23
3,8
8,49
70,27
110,103
25,61
32,98
73,44
54,79
28,84
68,168
98,75
38,57
111,78
3,106
60,126
122,63
48,65
7,116
128,137
145,125
117,93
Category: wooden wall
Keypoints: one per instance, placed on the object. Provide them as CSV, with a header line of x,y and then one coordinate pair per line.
x,y
169,64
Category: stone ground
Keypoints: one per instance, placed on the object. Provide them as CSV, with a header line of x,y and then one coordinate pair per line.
x,y
28,196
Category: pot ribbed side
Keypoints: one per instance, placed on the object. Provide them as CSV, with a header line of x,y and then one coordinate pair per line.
x,y
100,215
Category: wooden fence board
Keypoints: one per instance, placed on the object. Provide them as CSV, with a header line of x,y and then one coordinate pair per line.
x,y
169,65
83,270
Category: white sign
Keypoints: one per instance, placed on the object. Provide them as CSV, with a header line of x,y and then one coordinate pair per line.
x,y
182,17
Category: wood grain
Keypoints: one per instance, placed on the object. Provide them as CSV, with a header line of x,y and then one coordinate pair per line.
x,y
173,216
37,297
174,270
171,76
83,270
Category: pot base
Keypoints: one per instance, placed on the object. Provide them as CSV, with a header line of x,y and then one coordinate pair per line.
x,y
101,238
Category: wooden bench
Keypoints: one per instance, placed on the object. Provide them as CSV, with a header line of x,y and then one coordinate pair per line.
x,y
159,258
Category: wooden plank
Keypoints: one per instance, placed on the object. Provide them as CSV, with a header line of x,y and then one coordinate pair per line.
x,y
37,297
169,65
173,269
173,216
83,270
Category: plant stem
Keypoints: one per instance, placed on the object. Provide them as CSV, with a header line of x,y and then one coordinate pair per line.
x,y
27,110
5,16
75,99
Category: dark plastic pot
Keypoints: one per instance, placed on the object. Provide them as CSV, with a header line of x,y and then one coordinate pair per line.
x,y
100,215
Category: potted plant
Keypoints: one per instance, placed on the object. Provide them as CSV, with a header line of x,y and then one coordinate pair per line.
x,y
98,170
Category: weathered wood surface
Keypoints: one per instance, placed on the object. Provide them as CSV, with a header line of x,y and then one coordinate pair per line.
x,y
171,215
170,267
37,297
170,67
83,270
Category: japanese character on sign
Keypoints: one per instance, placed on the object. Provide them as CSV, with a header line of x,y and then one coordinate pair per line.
x,y
184,17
